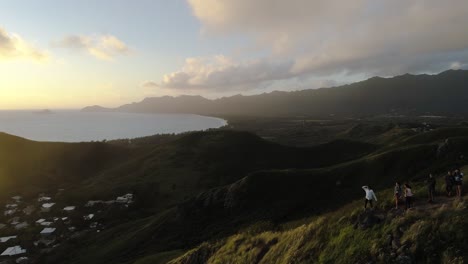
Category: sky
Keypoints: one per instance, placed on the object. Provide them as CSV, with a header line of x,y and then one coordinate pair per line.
x,y
71,54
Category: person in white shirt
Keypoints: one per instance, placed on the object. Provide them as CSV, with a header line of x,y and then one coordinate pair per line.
x,y
370,195
408,196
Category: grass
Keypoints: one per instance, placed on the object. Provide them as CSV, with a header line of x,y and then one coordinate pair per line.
x,y
232,197
426,236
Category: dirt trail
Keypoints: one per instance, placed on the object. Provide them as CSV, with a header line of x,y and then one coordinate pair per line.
x,y
439,201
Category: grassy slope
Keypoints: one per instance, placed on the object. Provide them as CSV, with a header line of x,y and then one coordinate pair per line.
x,y
174,180
31,166
274,196
435,235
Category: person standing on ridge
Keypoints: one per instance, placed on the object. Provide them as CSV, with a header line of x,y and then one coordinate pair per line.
x,y
458,181
408,196
431,187
397,194
449,183
370,195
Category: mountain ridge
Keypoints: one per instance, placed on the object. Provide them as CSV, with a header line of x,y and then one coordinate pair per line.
x,y
406,94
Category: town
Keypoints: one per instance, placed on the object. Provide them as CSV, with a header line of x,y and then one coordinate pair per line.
x,y
32,227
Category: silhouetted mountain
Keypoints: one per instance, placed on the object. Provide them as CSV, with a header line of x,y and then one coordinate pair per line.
x,y
441,94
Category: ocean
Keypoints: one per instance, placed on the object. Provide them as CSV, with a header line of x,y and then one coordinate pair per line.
x,y
76,126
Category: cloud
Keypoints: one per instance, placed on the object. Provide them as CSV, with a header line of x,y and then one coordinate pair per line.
x,y
12,46
223,73
103,47
327,37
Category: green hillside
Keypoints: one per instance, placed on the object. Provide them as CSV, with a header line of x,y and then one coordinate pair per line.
x,y
209,196
268,189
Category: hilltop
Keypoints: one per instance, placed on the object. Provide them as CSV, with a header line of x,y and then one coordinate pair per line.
x,y
413,95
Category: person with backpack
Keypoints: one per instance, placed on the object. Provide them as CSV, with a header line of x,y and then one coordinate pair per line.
x,y
397,194
370,195
458,181
408,196
431,186
449,183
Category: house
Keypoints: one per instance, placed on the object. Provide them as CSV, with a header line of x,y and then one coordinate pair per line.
x,y
48,231
5,239
10,206
47,206
69,208
21,225
13,251
22,260
46,223
44,199
16,198
10,212
121,199
14,220
88,217
40,221
29,210
93,203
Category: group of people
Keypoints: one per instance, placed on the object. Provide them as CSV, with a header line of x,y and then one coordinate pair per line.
x,y
406,192
452,179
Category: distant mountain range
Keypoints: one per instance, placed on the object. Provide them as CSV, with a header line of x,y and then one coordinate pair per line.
x,y
443,94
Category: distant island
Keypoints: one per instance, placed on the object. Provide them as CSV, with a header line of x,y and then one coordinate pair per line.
x,y
96,108
44,112
443,94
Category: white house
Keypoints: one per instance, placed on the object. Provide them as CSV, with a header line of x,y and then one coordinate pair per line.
x,y
93,203
44,199
40,221
21,225
88,217
13,251
5,239
14,220
22,260
10,212
69,208
46,223
48,231
9,206
47,206
17,198
29,210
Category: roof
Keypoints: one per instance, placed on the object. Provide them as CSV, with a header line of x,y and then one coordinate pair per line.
x,y
88,217
5,239
12,251
48,230
48,205
40,220
69,208
21,225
